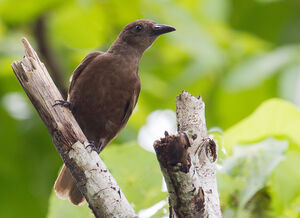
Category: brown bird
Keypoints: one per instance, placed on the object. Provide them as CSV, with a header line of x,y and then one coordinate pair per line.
x,y
104,90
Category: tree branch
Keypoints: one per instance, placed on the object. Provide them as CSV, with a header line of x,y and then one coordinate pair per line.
x,y
95,182
188,162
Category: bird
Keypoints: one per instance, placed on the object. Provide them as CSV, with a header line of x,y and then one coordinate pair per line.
x,y
104,90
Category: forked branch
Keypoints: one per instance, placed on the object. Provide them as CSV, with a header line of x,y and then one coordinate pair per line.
x,y
188,162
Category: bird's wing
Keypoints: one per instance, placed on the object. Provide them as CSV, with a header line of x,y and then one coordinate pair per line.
x,y
131,104
88,59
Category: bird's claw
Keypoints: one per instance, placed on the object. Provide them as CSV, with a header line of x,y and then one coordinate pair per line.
x,y
63,103
92,146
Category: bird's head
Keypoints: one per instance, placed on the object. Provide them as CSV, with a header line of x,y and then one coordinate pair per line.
x,y
142,33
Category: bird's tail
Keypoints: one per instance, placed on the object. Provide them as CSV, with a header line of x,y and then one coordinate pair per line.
x,y
65,187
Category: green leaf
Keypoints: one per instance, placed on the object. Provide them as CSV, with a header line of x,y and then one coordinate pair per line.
x,y
277,118
274,117
252,166
285,184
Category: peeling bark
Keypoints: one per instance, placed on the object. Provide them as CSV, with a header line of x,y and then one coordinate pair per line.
x,y
188,162
95,182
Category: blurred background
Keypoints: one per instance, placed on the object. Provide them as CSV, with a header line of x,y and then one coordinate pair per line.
x,y
242,57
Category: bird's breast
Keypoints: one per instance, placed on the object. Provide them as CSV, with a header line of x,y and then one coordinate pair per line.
x,y
102,96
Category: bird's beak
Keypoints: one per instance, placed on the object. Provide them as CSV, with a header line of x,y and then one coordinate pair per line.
x,y
161,29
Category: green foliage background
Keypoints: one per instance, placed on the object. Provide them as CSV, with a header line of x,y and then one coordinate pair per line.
x,y
236,54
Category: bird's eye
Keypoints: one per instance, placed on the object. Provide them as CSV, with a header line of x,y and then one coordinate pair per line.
x,y
138,28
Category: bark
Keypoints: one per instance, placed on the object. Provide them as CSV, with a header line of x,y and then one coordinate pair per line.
x,y
95,182
188,162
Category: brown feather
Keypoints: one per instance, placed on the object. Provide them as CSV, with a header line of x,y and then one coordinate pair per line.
x,y
88,59
65,187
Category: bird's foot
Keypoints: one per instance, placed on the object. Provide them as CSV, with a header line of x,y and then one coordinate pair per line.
x,y
98,148
92,146
63,103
